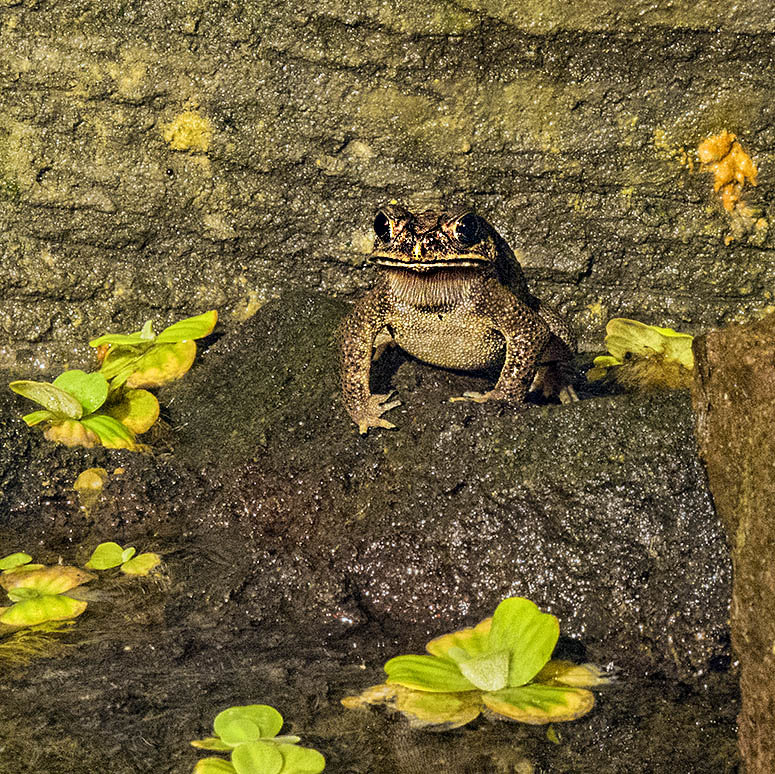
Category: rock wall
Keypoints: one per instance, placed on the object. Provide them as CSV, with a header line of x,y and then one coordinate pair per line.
x,y
159,158
735,416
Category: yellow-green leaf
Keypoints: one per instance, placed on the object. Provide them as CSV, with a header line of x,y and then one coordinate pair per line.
x,y
36,611
54,399
190,328
539,704
213,766
446,710
14,560
142,564
36,417
47,580
569,673
90,390
137,410
71,432
255,757
472,641
427,673
105,556
111,433
529,635
301,760
162,363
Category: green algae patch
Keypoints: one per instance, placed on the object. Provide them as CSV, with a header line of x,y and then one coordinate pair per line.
x,y
189,131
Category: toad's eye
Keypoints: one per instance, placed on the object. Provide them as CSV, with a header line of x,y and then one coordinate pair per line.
x,y
468,230
382,227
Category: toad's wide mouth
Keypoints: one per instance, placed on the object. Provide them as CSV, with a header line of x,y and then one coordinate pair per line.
x,y
444,263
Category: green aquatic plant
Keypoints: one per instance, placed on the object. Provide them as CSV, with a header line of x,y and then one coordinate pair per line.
x,y
145,359
110,407
250,734
79,409
644,356
502,664
38,594
109,555
14,561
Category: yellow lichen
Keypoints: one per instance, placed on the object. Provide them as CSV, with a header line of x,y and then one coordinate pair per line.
x,y
731,166
189,131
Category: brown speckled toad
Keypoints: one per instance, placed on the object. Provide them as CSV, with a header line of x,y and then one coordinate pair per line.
x,y
451,293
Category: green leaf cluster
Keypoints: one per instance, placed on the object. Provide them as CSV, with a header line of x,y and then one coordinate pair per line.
x,y
110,407
110,554
250,734
38,592
144,359
502,665
644,356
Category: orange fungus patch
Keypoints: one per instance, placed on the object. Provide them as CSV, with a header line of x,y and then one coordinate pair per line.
x,y
731,166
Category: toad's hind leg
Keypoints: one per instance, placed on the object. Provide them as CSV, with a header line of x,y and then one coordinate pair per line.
x,y
554,374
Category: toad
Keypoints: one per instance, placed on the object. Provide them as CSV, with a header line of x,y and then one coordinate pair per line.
x,y
451,292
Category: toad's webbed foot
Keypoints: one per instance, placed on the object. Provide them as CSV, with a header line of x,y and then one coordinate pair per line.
x,y
479,397
371,414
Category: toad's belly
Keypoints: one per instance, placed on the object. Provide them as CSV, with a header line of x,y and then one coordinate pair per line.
x,y
449,340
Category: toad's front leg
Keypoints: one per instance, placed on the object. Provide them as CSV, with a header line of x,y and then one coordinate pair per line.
x,y
526,335
358,332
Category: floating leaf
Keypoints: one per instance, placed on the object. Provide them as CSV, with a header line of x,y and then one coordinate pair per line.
x,y
36,417
54,399
190,328
47,580
119,339
213,766
211,743
162,363
71,432
472,642
141,564
257,757
24,568
137,410
447,710
267,720
301,760
41,609
576,675
119,363
488,672
538,704
427,673
21,593
90,390
14,560
111,433
105,556
521,629
91,479
238,730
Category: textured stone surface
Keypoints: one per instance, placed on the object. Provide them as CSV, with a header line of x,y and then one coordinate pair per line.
x,y
300,556
597,510
735,416
161,157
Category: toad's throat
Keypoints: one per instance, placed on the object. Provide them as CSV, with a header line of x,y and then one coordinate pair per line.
x,y
443,287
